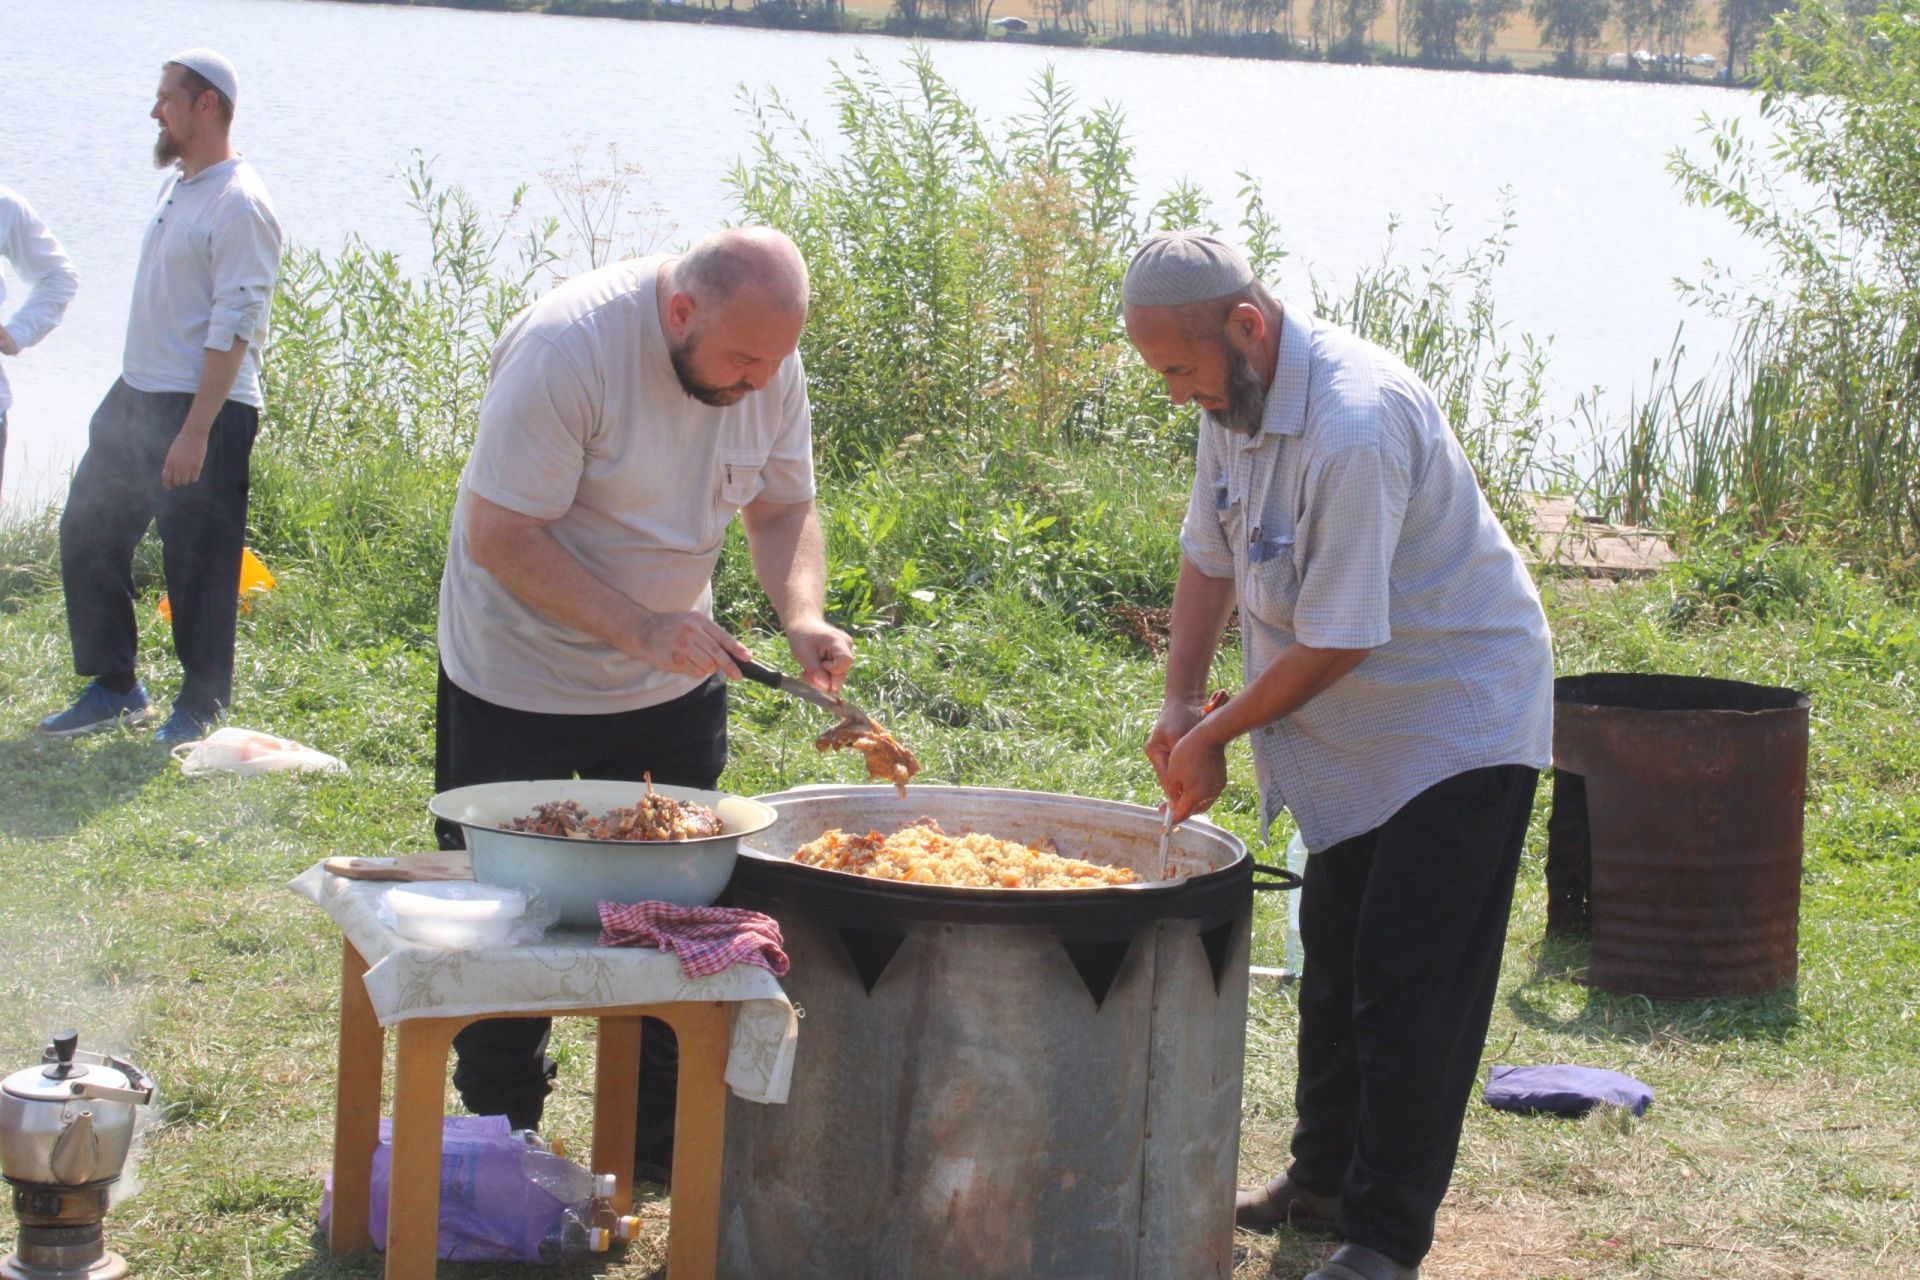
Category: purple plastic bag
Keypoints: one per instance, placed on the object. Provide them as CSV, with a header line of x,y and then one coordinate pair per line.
x,y
1563,1090
499,1195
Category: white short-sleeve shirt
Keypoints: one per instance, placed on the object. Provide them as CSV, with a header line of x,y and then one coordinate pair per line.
x,y
585,425
1353,520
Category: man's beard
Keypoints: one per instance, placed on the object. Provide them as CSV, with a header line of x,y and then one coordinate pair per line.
x,y
705,392
1246,398
166,148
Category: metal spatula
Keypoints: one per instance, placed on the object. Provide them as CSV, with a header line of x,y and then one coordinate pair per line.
x,y
1212,704
800,689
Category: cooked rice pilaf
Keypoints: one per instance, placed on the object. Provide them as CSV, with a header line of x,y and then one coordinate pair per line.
x,y
924,854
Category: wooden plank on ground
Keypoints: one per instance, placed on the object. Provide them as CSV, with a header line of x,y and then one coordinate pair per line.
x,y
1570,543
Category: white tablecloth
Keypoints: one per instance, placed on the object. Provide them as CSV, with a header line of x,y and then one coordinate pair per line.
x,y
567,970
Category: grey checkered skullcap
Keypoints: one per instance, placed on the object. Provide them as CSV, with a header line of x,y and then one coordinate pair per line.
x,y
1179,267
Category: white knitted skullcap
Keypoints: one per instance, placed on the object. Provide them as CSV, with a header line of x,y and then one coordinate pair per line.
x,y
1179,267
214,67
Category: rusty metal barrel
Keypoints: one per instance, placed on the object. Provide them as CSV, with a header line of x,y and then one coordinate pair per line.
x,y
1694,794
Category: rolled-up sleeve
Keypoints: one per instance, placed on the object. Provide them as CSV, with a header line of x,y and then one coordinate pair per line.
x,y
47,270
788,474
1202,540
246,261
1355,504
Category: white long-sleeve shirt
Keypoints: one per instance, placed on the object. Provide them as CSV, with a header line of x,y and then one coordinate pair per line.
x,y
43,264
206,273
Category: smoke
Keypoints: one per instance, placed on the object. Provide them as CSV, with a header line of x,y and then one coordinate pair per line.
x,y
75,986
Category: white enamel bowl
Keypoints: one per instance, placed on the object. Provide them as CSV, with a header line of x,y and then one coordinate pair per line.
x,y
577,875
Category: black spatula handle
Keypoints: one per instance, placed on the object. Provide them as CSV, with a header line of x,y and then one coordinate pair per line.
x,y
757,673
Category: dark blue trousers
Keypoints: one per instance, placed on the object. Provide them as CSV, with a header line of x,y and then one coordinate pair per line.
x,y
115,495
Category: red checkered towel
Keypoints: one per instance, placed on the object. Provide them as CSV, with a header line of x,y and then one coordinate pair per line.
x,y
707,939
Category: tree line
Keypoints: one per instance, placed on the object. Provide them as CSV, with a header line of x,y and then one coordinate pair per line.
x,y
1429,32
1458,32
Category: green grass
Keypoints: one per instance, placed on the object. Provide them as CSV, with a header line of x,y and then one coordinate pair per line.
x,y
148,909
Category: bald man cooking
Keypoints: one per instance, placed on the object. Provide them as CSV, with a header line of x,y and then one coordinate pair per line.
x,y
629,415
1399,700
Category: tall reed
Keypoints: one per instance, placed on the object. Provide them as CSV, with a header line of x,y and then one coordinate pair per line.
x,y
1810,427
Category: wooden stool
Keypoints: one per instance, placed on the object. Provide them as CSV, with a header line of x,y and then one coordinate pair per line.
x,y
419,1094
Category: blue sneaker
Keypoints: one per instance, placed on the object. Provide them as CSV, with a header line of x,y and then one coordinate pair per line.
x,y
99,707
184,726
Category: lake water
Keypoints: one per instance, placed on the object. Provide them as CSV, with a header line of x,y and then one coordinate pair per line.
x,y
333,97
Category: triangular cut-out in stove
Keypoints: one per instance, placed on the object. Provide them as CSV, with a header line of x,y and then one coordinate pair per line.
x,y
1098,964
1218,941
870,953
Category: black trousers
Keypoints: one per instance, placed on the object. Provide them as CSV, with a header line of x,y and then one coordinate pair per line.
x,y
501,1067
1403,927
116,493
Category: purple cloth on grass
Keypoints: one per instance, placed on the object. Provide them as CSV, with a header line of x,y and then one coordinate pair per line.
x,y
1563,1090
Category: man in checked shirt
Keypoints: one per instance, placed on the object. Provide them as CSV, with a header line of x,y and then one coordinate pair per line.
x,y
1398,702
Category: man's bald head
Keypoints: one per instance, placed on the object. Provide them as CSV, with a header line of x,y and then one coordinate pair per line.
x,y
732,308
759,259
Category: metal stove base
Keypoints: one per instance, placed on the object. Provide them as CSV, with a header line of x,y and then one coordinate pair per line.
x,y
110,1267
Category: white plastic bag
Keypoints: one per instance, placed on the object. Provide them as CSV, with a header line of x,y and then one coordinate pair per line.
x,y
247,752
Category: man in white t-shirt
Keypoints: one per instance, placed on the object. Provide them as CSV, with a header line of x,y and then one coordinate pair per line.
x,y
629,415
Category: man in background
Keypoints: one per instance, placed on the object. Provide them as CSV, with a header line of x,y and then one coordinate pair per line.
x,y
629,415
173,440
26,243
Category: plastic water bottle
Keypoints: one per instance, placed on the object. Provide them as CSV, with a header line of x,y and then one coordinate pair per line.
x,y
587,1226
1296,863
572,1237
622,1227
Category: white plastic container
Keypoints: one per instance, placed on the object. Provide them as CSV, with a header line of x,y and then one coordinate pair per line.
x,y
456,914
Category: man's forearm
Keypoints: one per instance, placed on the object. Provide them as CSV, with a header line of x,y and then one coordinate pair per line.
x,y
1295,678
1201,607
217,376
531,563
789,558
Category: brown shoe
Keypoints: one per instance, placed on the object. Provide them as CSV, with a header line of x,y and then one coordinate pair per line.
x,y
1281,1204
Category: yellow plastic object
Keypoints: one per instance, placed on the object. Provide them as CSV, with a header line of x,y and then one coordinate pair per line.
x,y
254,576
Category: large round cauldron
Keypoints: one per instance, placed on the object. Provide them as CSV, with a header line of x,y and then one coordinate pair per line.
x,y
997,1083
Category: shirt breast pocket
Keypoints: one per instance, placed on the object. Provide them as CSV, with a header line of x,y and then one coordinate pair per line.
x,y
740,479
1273,581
